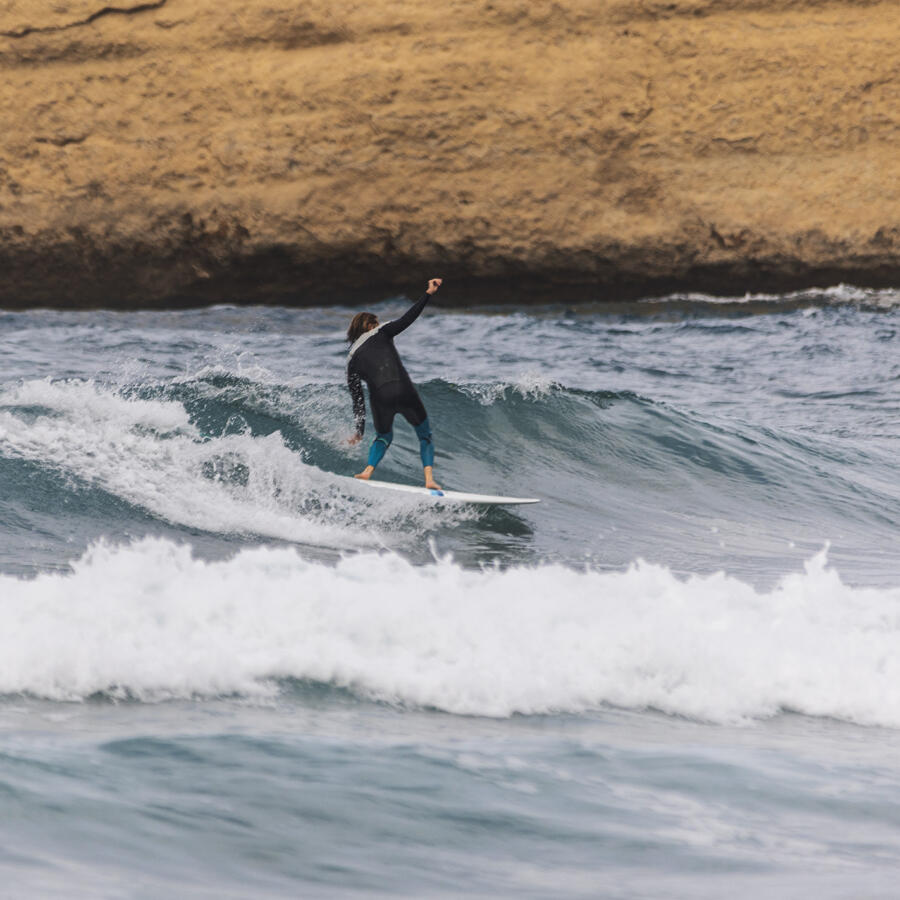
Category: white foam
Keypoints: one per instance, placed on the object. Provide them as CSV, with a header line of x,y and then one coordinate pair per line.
x,y
528,385
839,294
96,405
147,453
154,622
302,400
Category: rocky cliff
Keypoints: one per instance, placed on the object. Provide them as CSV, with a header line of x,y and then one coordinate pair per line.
x,y
176,151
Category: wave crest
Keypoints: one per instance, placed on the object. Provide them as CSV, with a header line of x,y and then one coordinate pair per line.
x,y
152,622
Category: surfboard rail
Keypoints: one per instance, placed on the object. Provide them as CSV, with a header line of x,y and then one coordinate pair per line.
x,y
450,496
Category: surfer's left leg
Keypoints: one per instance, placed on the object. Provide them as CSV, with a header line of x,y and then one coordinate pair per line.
x,y
376,453
383,412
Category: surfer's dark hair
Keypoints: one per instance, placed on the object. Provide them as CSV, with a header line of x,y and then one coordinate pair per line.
x,y
360,324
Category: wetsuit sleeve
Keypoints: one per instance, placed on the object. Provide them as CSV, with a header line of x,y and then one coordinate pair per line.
x,y
392,329
354,383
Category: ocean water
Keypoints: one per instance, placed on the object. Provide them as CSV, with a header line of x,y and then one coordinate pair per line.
x,y
227,670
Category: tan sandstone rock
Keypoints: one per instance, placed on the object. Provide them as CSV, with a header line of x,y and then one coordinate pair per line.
x,y
215,150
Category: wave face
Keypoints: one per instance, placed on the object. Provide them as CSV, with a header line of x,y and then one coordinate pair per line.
x,y
192,462
233,459
155,623
203,451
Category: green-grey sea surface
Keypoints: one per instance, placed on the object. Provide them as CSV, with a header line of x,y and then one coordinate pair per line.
x,y
228,670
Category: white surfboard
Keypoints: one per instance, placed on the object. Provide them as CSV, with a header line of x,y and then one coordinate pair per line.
x,y
450,496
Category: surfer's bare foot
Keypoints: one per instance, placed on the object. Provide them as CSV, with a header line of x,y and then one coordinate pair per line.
x,y
430,483
366,473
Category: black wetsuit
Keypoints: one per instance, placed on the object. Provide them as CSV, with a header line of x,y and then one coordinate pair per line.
x,y
374,359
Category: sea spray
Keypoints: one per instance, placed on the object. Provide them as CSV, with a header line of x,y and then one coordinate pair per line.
x,y
151,455
151,622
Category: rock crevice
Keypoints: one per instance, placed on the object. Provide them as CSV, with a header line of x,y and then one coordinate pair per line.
x,y
27,30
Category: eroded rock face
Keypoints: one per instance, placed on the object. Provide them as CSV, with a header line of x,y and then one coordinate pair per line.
x,y
216,150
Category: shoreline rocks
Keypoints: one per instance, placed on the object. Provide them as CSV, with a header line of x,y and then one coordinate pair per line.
x,y
205,151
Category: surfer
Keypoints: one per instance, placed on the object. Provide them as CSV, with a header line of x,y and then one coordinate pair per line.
x,y
374,359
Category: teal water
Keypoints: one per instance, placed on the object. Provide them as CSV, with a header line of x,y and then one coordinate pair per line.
x,y
227,671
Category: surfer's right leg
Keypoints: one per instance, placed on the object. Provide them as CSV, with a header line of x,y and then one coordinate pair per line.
x,y
414,413
426,451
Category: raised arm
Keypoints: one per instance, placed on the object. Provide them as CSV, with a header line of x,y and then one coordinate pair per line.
x,y
392,329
